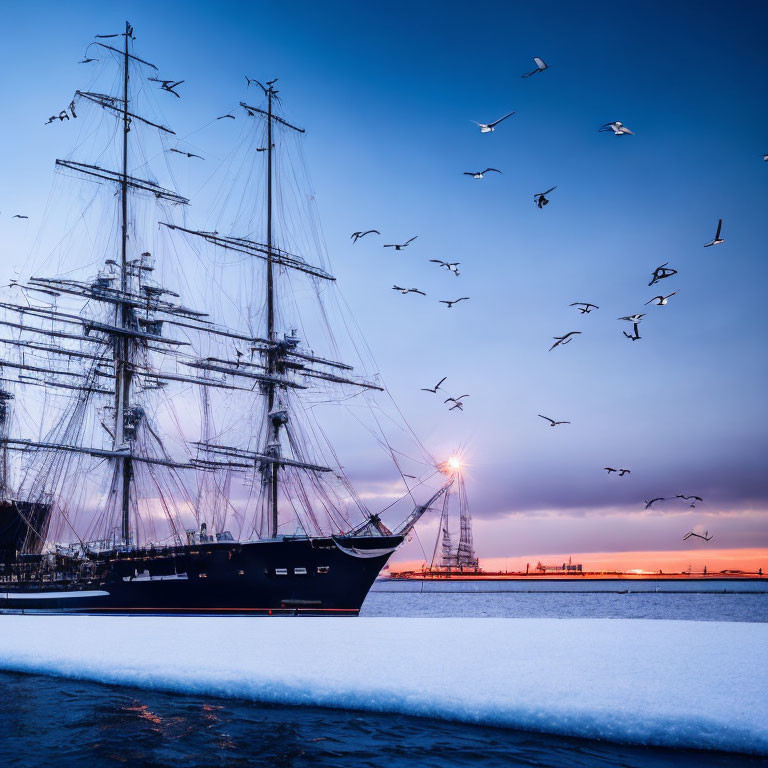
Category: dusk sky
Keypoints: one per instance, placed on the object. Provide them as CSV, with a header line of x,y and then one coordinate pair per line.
x,y
387,93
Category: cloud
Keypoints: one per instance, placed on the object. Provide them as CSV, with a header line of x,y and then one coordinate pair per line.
x,y
496,491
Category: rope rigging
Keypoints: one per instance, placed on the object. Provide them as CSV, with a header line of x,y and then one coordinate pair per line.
x,y
191,376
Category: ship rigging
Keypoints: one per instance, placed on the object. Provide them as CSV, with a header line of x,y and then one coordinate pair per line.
x,y
92,458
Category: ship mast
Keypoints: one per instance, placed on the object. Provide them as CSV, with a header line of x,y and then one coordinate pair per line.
x,y
5,417
275,350
274,438
270,286
121,343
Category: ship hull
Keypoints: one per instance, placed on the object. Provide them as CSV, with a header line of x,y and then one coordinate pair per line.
x,y
290,576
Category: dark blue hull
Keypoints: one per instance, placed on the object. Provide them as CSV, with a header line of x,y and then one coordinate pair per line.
x,y
290,576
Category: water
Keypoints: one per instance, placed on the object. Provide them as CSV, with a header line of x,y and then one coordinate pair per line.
x,y
55,723
592,605
539,586
60,723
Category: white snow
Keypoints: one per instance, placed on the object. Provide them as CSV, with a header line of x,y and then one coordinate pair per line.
x,y
668,683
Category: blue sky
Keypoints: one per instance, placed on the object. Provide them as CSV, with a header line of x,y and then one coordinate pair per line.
x,y
388,92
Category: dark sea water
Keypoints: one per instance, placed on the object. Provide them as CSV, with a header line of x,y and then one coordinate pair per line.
x,y
570,605
47,721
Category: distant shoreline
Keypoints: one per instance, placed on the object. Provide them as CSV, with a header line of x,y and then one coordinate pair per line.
x,y
582,584
583,576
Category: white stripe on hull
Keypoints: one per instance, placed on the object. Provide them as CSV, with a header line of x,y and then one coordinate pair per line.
x,y
52,595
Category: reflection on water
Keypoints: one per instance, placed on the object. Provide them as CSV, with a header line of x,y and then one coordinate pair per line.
x,y
54,723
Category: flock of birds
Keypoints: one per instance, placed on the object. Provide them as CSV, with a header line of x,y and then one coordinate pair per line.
x,y
662,272
456,402
451,266
541,199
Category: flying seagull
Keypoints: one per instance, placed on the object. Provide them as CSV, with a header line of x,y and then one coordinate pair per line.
x,y
623,472
541,65
86,61
649,504
688,498
63,115
167,85
454,399
662,272
407,290
19,216
480,174
563,339
552,422
706,535
182,152
232,117
609,469
400,246
357,235
489,127
455,301
635,335
584,306
460,406
636,318
717,239
434,389
541,199
661,300
618,129
451,266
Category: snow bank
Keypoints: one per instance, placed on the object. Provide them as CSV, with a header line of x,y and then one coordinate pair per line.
x,y
666,683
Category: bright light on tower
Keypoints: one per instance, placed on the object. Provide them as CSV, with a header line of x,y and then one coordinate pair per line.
x,y
454,463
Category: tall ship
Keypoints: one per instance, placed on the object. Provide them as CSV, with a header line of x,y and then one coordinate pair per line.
x,y
157,456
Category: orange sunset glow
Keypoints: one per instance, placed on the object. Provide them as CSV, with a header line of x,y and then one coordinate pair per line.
x,y
670,561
